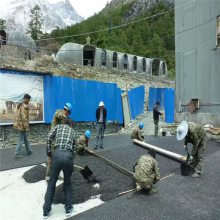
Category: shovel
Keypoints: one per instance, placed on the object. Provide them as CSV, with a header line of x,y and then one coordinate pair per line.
x,y
85,171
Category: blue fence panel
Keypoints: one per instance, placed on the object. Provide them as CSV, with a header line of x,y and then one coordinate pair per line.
x,y
136,101
155,95
169,104
84,95
166,98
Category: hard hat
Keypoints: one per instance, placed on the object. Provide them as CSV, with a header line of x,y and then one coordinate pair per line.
x,y
182,130
141,125
101,103
68,106
88,134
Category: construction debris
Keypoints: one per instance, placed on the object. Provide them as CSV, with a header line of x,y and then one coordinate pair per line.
x,y
212,132
35,174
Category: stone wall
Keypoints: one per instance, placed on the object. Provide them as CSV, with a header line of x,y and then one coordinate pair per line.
x,y
38,132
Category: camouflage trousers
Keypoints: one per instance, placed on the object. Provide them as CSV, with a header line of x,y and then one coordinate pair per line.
x,y
80,149
156,127
198,159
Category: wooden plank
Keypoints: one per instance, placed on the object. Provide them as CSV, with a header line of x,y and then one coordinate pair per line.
x,y
126,110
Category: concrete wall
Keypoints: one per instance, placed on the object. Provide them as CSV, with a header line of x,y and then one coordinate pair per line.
x,y
197,59
71,53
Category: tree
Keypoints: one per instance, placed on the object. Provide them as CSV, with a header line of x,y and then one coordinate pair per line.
x,y
35,23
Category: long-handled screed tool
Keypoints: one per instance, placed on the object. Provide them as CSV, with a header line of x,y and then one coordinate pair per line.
x,y
113,164
132,190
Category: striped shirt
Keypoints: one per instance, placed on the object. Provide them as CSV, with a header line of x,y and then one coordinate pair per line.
x,y
64,137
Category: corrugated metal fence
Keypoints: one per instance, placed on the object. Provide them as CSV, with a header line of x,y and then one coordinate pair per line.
x,y
84,95
136,101
166,97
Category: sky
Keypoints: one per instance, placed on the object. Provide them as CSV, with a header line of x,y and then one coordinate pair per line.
x,y
86,8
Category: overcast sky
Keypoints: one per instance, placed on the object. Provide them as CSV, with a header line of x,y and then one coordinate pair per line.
x,y
86,8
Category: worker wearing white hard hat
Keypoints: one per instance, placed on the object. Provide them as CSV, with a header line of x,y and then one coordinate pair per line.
x,y
195,134
101,115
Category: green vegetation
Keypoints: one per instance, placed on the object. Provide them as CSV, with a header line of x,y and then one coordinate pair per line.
x,y
153,37
35,24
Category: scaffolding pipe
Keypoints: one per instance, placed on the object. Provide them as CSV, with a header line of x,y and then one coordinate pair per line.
x,y
174,156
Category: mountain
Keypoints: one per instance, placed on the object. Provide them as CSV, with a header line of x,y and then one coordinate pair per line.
x,y
17,14
138,6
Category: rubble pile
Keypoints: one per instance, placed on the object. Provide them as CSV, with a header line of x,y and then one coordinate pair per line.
x,y
46,63
212,132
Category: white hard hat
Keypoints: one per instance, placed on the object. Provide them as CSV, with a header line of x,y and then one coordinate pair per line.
x,y
182,130
101,103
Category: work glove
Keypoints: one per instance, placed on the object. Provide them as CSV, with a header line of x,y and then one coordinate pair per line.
x,y
138,188
190,160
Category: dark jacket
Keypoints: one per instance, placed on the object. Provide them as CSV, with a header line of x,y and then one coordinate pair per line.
x,y
156,113
98,115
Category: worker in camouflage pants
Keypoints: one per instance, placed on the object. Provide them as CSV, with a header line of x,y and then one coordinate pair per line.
x,y
82,142
146,172
194,134
137,132
59,118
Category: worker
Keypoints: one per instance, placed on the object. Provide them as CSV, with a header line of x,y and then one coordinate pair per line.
x,y
61,114
22,125
156,115
63,156
101,115
137,133
194,134
59,118
82,142
146,172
